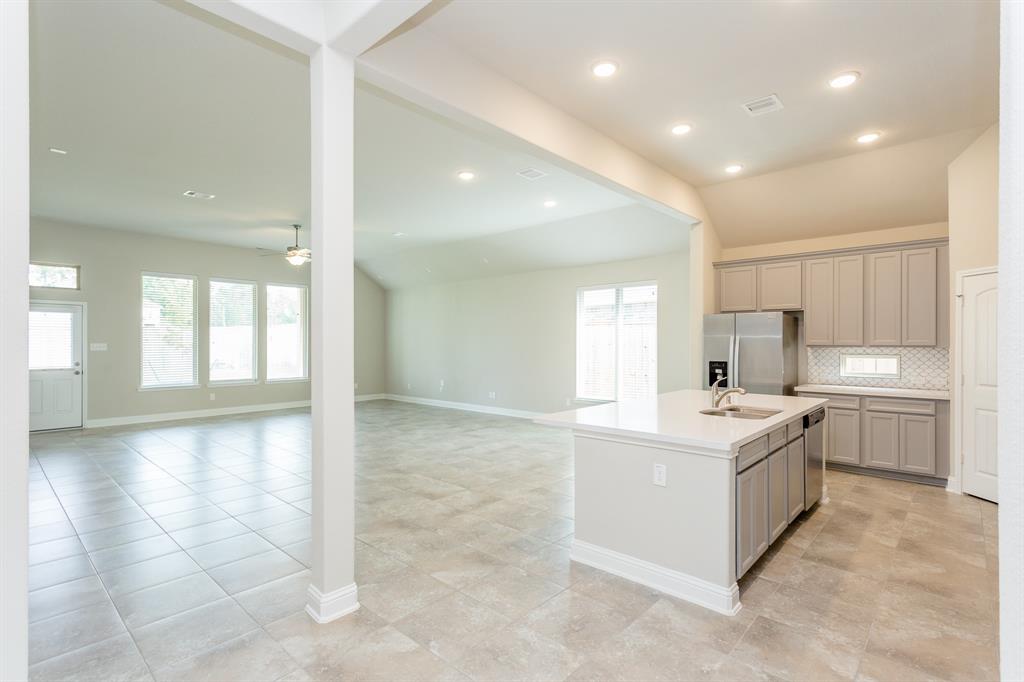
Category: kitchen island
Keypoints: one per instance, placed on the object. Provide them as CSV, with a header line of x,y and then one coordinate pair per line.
x,y
683,501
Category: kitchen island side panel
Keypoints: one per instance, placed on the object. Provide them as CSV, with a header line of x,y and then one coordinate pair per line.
x,y
688,525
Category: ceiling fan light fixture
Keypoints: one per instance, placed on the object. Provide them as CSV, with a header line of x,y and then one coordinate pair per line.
x,y
296,259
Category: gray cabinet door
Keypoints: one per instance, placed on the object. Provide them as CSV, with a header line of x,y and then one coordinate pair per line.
x,y
843,436
780,286
796,467
882,299
919,272
849,301
778,507
819,300
881,440
737,289
751,516
917,444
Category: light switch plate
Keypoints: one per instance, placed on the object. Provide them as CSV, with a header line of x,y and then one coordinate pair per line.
x,y
660,475
97,346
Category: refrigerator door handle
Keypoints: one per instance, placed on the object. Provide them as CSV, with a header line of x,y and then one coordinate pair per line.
x,y
736,363
729,381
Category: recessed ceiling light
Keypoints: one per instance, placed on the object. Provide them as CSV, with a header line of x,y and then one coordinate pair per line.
x,y
55,150
193,194
398,234
681,129
868,138
550,203
604,69
734,168
466,175
844,80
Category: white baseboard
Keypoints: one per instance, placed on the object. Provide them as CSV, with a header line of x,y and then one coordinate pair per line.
x,y
323,608
684,586
192,414
371,396
452,405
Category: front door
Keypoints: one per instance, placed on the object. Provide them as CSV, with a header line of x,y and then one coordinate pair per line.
x,y
979,384
55,366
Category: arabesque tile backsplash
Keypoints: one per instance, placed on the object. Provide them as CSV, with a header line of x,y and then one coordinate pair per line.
x,y
923,367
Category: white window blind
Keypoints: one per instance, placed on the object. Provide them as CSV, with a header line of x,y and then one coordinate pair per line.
x,y
168,331
51,336
53,276
232,331
286,332
617,342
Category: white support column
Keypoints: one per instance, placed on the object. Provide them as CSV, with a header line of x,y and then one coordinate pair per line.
x,y
14,226
1011,341
332,593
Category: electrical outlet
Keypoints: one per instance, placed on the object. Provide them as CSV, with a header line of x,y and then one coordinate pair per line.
x,y
492,395
357,386
408,387
660,475
568,402
442,386
213,396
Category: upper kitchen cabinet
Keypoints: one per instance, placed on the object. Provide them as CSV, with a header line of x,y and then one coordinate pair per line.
x,y
882,299
780,286
849,301
919,272
737,289
819,301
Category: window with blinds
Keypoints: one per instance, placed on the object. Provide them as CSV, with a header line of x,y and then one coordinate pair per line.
x,y
169,331
286,332
232,331
617,342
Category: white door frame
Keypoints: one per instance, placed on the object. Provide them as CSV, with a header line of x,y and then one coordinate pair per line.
x,y
85,347
955,484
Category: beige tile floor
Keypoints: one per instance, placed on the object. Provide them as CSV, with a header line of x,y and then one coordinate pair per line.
x,y
181,551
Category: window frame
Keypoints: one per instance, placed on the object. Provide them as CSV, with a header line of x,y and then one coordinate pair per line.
x,y
618,302
255,379
847,374
78,275
195,331
305,333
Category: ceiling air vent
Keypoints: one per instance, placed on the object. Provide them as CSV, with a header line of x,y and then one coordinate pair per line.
x,y
763,105
531,173
193,194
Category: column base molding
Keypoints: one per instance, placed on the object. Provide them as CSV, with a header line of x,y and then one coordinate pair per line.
x,y
324,608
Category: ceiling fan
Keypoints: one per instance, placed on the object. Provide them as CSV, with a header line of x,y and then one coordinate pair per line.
x,y
296,255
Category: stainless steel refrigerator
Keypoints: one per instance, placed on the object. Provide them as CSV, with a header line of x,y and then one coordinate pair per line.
x,y
755,351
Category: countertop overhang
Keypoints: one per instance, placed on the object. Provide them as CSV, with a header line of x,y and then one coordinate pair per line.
x,y
879,391
674,419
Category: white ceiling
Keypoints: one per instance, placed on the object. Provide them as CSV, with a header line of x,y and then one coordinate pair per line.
x,y
928,68
150,101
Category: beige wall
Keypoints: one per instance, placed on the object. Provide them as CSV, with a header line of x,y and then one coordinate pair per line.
x,y
112,263
974,204
842,241
516,335
705,249
370,335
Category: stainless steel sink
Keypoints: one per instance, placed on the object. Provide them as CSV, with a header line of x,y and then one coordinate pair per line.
x,y
741,412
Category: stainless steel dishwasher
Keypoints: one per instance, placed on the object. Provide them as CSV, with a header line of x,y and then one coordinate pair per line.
x,y
814,449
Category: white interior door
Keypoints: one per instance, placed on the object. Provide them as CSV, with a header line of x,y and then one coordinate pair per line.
x,y
980,379
55,366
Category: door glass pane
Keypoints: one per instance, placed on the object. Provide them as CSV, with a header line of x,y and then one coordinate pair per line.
x,y
51,340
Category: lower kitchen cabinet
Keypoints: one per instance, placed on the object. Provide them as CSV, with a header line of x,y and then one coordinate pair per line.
x,y
751,515
843,436
796,466
881,440
917,444
778,506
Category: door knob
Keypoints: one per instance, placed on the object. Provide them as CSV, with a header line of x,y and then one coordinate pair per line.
x,y
77,372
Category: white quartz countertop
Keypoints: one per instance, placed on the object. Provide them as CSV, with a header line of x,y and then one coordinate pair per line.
x,y
881,391
675,418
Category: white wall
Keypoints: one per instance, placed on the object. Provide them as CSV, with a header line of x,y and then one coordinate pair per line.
x,y
516,335
112,262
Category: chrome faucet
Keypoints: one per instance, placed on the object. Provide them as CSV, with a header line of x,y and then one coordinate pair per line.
x,y
718,395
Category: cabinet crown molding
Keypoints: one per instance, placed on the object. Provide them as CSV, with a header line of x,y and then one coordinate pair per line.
x,y
850,250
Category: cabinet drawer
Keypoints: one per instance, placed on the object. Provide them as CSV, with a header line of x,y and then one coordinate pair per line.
x,y
844,402
752,452
902,405
776,439
794,429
